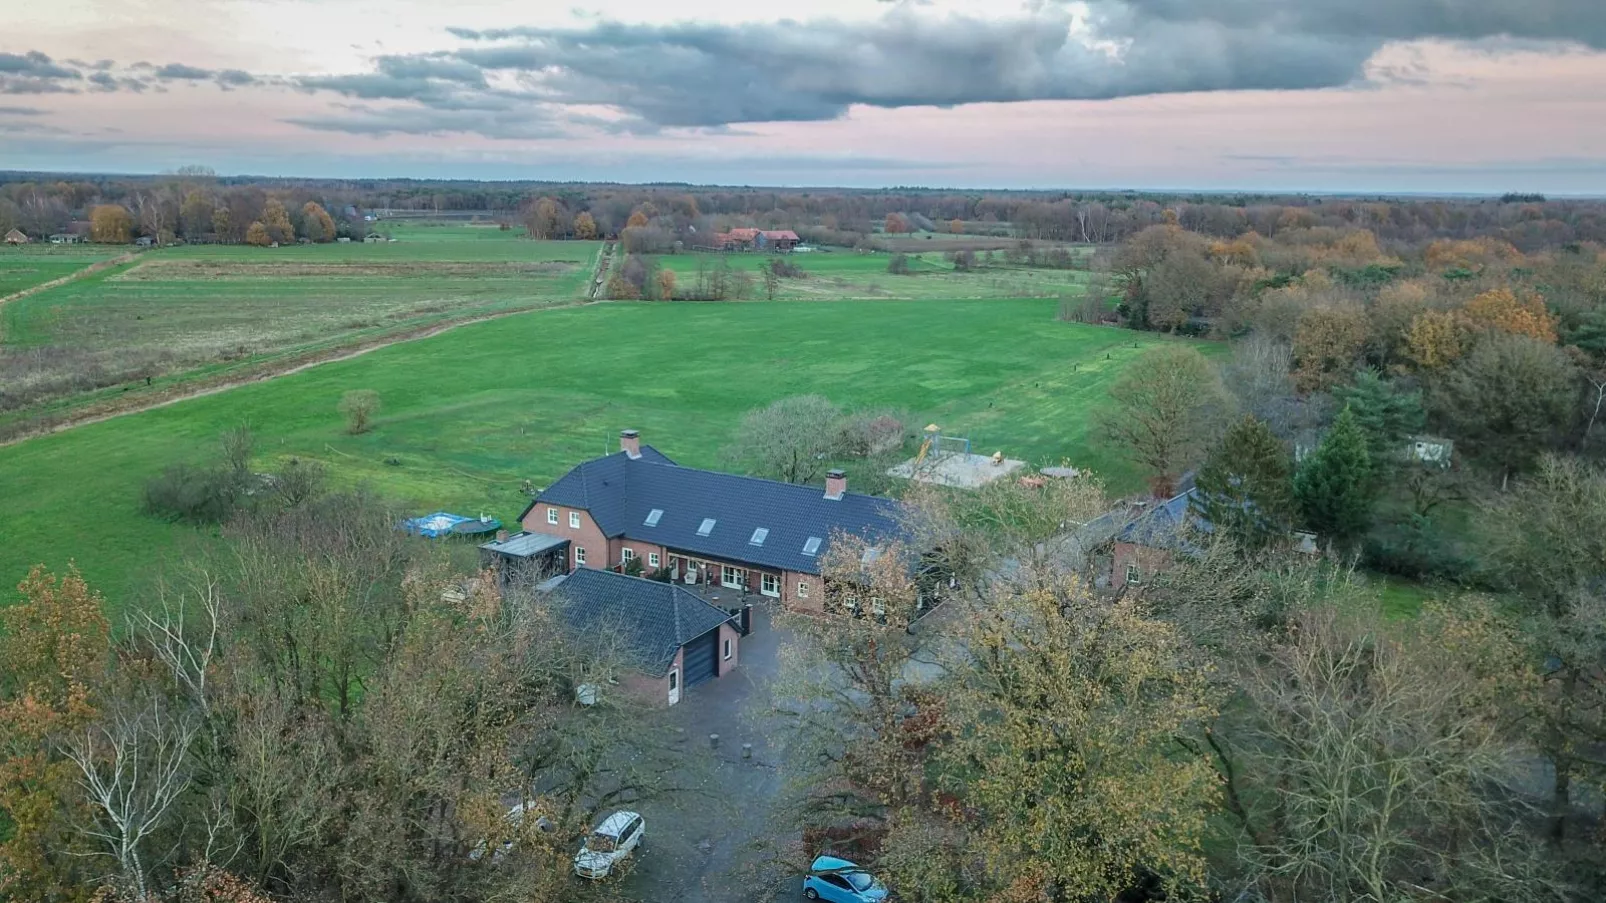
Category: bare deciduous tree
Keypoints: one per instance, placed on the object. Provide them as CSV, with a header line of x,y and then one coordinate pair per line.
x,y
133,767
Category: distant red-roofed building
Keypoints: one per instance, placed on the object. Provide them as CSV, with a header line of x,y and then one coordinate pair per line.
x,y
756,240
777,240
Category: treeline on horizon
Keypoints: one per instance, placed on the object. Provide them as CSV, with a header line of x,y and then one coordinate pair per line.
x,y
184,205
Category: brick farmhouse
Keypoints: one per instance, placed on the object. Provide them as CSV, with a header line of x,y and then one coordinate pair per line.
x,y
702,527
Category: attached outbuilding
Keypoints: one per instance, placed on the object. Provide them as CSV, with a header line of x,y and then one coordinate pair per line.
x,y
671,636
525,559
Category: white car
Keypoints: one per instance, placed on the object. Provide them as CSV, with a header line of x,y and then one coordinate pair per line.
x,y
616,838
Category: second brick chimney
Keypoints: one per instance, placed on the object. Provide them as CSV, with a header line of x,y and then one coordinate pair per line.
x,y
836,484
630,443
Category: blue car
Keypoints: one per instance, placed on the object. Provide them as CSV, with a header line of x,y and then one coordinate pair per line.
x,y
840,881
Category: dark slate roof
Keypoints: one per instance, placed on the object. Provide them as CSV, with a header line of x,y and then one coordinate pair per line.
x,y
656,619
1165,526
600,474
620,492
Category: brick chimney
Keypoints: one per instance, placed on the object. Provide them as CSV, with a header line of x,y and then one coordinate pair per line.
x,y
630,443
836,484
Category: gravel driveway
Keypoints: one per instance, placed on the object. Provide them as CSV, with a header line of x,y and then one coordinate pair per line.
x,y
715,845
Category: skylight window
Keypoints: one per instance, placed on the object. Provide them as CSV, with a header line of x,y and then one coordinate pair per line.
x,y
707,527
653,515
870,555
812,547
759,535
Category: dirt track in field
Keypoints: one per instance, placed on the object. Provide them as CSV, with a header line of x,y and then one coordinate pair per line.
x,y
93,268
117,407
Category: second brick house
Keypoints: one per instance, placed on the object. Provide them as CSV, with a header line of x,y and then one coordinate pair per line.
x,y
704,527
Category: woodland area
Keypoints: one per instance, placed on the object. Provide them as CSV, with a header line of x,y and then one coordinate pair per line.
x,y
197,205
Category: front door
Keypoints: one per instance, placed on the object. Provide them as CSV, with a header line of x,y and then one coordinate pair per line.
x,y
674,685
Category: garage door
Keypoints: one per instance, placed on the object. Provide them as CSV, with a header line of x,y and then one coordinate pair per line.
x,y
702,659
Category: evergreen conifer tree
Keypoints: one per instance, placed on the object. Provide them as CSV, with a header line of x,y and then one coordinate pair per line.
x,y
1245,488
1334,485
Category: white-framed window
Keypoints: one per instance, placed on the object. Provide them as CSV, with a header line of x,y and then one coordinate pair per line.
x,y
727,649
802,589
579,556
1132,575
770,585
552,516
627,556
574,520
730,576
652,559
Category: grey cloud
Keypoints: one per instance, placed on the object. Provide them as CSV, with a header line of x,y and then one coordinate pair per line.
x,y
711,74
181,72
106,82
21,111
35,73
440,67
34,64
235,78
702,75
1583,21
359,119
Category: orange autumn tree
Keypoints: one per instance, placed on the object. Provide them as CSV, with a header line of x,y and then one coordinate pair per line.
x,y
55,647
1474,254
1436,339
637,220
111,224
1327,346
1502,310
585,227
956,226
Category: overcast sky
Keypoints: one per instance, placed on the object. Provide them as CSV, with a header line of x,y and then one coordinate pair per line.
x,y
1324,95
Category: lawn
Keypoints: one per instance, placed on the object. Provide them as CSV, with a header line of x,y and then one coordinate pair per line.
x,y
470,415
26,266
843,274
174,312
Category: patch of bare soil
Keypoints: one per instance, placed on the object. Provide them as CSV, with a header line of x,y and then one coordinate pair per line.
x,y
180,270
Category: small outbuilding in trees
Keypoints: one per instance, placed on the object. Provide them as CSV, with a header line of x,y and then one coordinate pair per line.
x,y
16,237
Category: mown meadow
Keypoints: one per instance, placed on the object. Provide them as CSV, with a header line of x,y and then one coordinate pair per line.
x,y
469,416
173,314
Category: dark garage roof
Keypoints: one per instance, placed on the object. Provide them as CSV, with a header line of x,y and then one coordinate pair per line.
x,y
621,493
654,619
525,545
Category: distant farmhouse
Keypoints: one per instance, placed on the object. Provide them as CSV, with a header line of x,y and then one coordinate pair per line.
x,y
15,237
783,240
64,238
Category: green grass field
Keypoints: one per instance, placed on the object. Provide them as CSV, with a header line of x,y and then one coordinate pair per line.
x,y
841,273
174,312
471,414
26,266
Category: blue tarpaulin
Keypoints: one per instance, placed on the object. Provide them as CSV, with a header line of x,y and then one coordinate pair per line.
x,y
433,525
